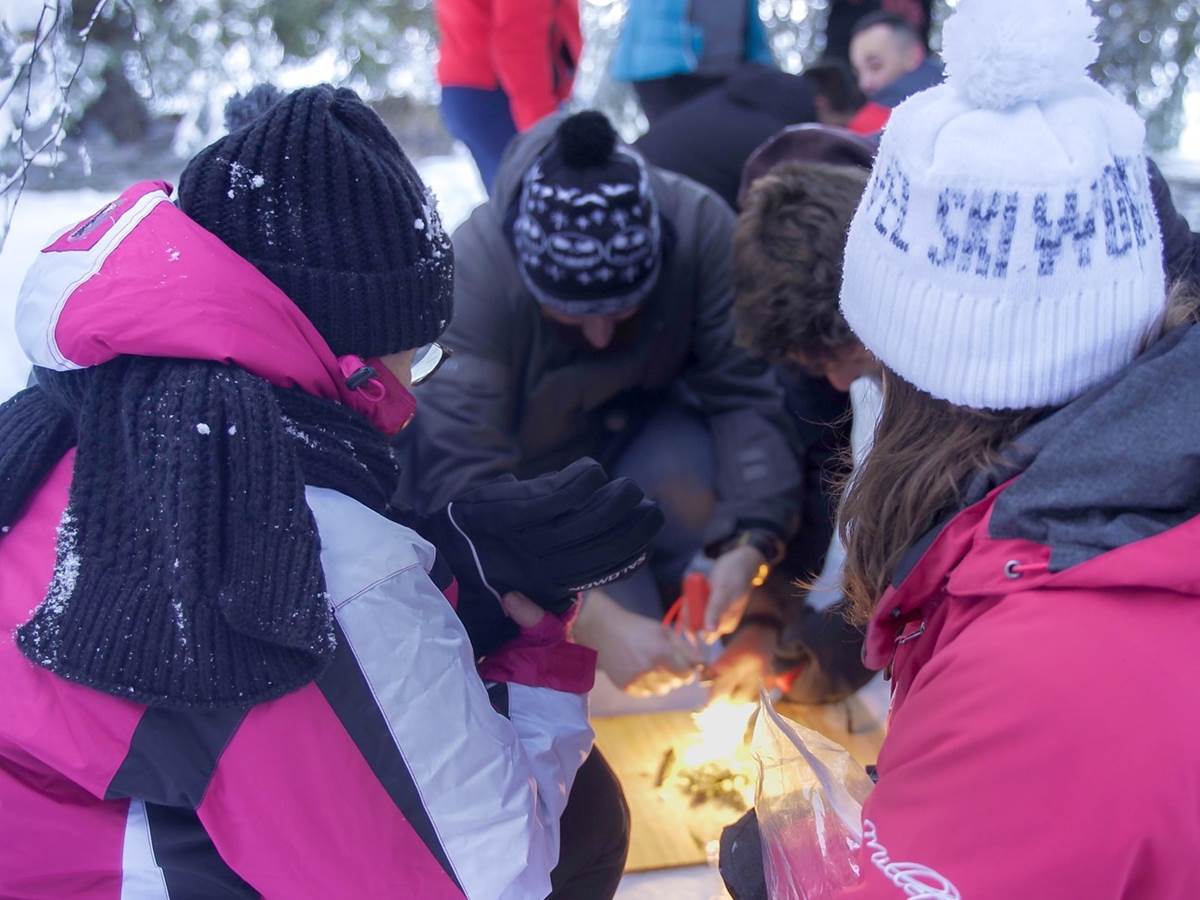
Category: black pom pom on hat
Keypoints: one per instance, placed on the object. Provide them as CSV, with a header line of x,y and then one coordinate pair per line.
x,y
242,109
586,139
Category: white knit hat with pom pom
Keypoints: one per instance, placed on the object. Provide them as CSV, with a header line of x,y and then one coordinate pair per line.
x,y
1007,254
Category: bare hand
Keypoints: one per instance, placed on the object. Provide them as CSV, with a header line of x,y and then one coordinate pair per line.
x,y
640,655
744,668
672,659
733,574
521,610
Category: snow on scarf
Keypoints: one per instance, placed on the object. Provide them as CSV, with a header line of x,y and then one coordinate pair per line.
x,y
188,569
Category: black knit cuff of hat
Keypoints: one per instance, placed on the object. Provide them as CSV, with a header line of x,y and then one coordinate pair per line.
x,y
370,314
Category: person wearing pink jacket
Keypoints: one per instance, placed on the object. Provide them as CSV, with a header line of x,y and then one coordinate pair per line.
x,y
234,665
1021,541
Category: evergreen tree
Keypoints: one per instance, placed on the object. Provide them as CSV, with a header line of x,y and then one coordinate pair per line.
x,y
187,56
1150,49
1150,53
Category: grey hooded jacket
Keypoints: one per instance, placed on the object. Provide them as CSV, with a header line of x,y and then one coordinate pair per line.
x,y
522,395
1181,247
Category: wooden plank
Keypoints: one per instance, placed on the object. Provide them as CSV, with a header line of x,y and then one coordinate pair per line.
x,y
667,831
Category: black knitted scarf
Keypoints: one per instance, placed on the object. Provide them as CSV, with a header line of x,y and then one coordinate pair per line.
x,y
187,570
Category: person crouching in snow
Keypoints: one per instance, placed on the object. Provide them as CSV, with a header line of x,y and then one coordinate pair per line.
x,y
593,316
801,191
1021,538
228,669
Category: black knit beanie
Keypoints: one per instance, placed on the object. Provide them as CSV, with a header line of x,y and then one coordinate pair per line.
x,y
587,234
315,192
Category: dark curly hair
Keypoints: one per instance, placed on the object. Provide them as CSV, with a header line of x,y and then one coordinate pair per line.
x,y
787,260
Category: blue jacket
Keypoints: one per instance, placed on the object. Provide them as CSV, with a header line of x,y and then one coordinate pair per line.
x,y
930,73
659,40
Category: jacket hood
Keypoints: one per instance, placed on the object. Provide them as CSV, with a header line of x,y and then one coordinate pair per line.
x,y
1117,466
1102,494
784,96
140,278
929,74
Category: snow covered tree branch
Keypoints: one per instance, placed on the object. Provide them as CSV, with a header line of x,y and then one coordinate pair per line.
x,y
43,61
67,63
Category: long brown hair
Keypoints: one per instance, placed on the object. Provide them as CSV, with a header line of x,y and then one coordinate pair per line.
x,y
924,453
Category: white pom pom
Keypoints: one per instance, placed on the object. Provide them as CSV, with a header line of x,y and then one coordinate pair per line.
x,y
1000,53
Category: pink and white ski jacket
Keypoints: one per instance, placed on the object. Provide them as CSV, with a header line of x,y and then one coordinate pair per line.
x,y
391,775
1044,738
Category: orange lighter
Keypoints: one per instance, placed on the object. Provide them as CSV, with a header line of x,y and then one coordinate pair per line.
x,y
687,613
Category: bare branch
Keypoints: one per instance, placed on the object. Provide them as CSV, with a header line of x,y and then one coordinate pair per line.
x,y
139,41
16,181
26,69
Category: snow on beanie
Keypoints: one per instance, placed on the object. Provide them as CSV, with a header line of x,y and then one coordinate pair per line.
x,y
313,190
1007,254
587,234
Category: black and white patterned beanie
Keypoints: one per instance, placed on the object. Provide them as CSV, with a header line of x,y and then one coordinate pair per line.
x,y
587,233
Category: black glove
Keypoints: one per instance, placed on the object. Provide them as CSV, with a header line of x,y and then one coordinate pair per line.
x,y
741,860
547,537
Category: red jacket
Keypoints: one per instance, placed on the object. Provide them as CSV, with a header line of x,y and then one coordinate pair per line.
x,y
871,119
527,48
1044,738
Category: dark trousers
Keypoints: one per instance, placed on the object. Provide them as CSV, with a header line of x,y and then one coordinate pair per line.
x,y
595,835
483,121
659,96
673,459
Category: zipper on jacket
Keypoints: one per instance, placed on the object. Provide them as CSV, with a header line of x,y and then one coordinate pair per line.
x,y
553,48
900,641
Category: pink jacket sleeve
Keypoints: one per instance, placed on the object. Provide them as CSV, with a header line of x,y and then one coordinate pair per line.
x,y
1003,771
296,810
393,775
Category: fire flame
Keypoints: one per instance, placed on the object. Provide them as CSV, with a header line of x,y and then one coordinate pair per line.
x,y
720,743
720,733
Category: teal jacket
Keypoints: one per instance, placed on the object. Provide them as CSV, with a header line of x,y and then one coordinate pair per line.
x,y
659,40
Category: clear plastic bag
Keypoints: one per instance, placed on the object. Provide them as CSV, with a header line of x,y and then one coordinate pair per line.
x,y
809,802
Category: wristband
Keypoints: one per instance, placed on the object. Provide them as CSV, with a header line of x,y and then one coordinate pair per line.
x,y
769,545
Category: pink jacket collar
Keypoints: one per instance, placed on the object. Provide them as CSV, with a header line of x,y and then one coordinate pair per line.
x,y
140,278
964,560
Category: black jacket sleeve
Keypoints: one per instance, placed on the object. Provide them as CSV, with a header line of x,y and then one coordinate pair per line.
x,y
758,477
822,643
